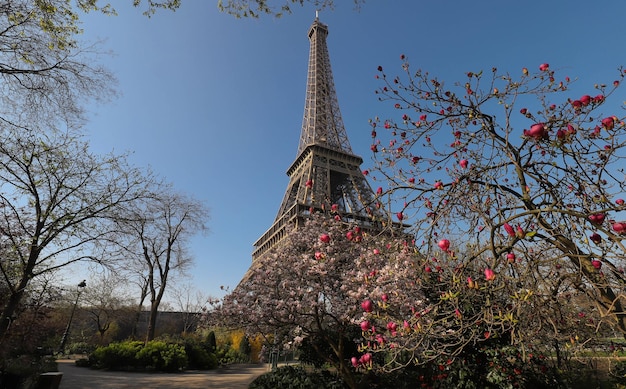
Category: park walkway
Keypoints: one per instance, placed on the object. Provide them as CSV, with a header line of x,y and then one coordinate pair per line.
x,y
231,377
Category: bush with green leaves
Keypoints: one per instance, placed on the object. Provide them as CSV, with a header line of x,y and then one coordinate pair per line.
x,y
117,356
198,357
294,377
161,356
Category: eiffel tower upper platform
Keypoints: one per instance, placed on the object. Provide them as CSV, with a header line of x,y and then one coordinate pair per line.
x,y
326,172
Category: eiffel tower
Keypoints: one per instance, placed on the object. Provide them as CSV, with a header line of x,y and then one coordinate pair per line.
x,y
326,173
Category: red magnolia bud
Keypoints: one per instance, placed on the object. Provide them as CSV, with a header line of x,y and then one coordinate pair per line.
x,y
489,274
619,227
319,255
379,191
349,235
509,230
586,100
354,361
597,218
570,129
400,216
597,264
619,201
367,306
519,232
384,297
608,123
376,251
365,325
309,183
463,163
325,238
444,244
438,185
595,238
544,66
374,148
511,257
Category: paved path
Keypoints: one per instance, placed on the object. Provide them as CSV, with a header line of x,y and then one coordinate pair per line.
x,y
232,377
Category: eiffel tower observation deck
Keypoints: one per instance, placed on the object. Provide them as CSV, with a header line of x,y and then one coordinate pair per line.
x,y
326,173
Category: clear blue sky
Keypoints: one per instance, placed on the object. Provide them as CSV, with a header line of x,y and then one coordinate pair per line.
x,y
215,104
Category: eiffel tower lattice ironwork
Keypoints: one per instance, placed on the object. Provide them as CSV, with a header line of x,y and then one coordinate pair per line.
x,y
325,172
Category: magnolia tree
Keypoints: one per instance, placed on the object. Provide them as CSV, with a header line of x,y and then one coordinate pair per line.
x,y
312,285
513,186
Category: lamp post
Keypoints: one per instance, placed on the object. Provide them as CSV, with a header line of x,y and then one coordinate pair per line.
x,y
69,323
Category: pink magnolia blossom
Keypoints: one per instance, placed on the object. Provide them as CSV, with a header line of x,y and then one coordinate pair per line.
x,y
536,131
544,67
325,238
489,274
367,306
444,244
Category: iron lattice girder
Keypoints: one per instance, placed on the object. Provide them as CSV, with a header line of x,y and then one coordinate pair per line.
x,y
321,177
325,172
322,122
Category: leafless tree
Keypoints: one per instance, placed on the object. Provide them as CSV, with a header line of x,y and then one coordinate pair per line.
x,y
155,241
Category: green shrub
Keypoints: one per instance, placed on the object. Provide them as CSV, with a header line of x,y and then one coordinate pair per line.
x,y
80,348
210,342
297,378
161,356
198,357
117,356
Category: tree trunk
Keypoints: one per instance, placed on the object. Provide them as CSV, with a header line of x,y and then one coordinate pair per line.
x,y
6,318
7,313
154,310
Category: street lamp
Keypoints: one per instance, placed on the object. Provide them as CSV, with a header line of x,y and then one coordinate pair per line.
x,y
69,323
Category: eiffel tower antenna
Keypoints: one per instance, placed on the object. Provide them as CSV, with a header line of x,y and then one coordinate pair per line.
x,y
326,174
